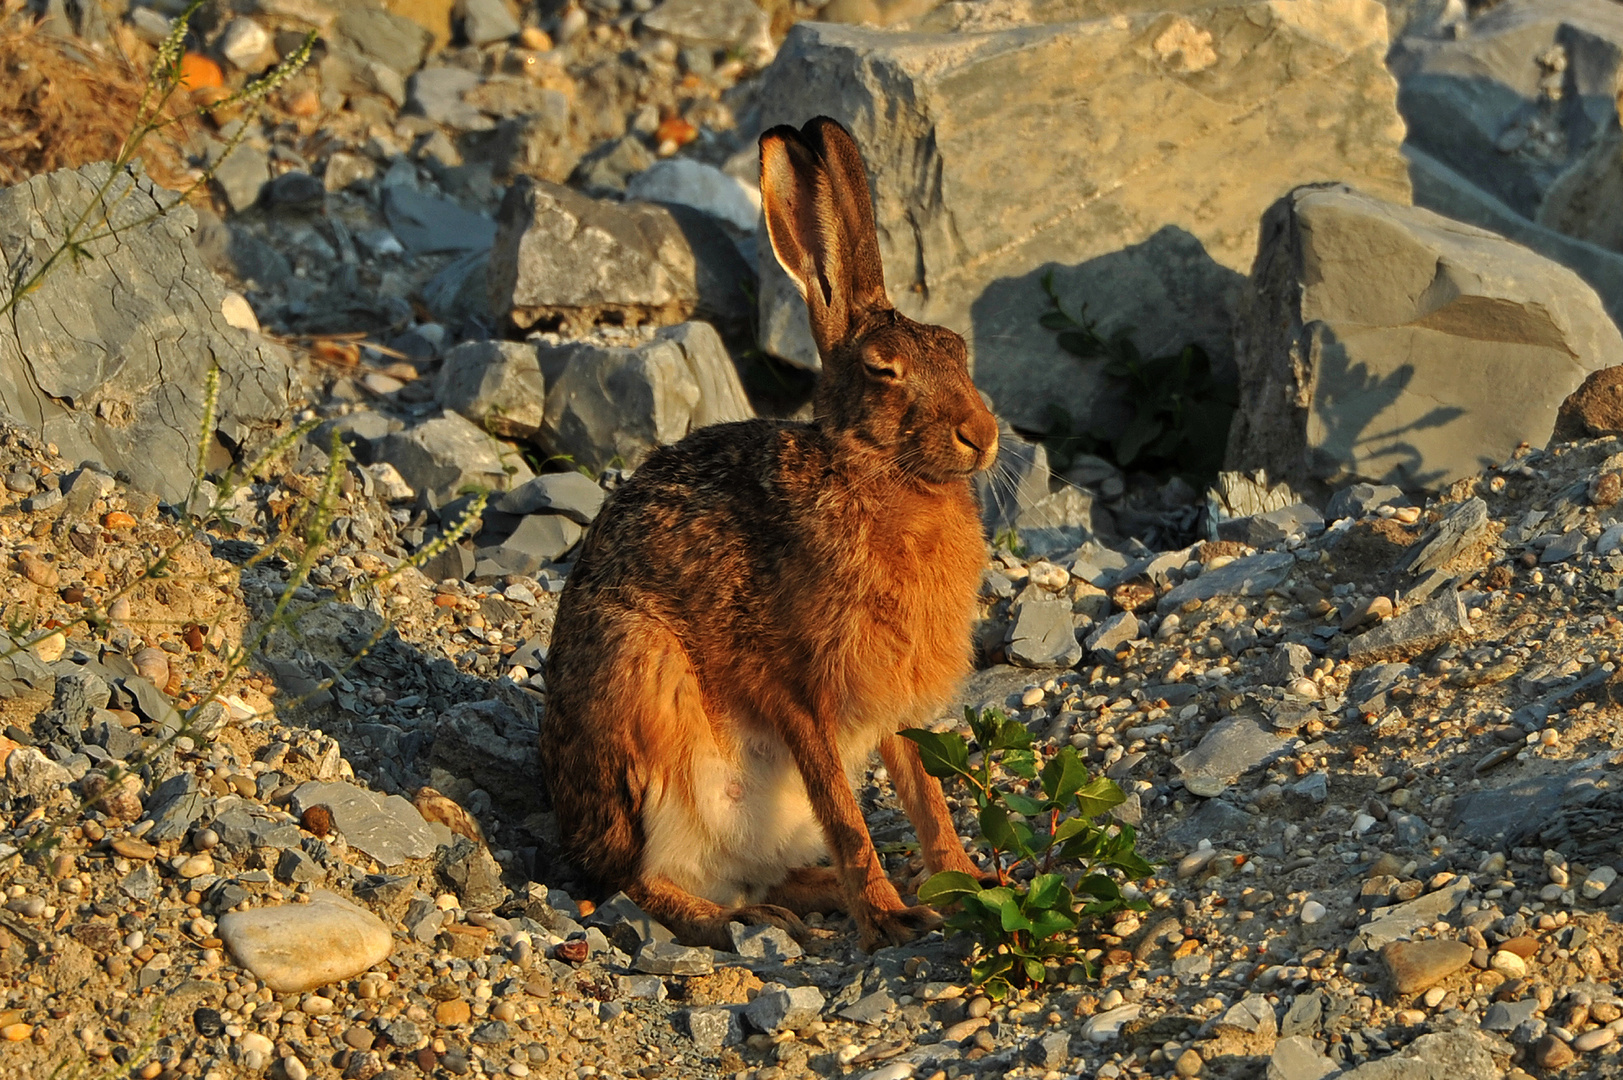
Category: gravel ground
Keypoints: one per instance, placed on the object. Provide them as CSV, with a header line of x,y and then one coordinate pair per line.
x,y
1383,801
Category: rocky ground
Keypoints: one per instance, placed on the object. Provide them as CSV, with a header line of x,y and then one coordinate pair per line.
x,y
1373,750
1376,761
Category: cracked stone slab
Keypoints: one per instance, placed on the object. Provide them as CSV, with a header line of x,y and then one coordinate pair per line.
x,y
1402,919
109,357
386,827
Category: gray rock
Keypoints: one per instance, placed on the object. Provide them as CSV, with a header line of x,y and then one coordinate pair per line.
x,y
642,987
704,187
719,24
146,297
562,257
1043,634
427,224
1253,575
495,740
174,806
1509,1015
609,168
1295,1058
1453,1055
974,142
610,405
779,1008
1356,500
763,942
29,774
1302,1018
1510,813
574,495
140,884
626,925
1566,546
1050,1051
870,1009
1273,527
713,1026
1430,624
1251,1014
393,40
1390,310
1370,689
1439,188
1113,633
241,175
1402,919
669,958
1314,787
538,540
1229,750
1286,662
295,866
496,384
446,454
436,92
74,702
485,21
1475,101
385,827
473,874
1462,528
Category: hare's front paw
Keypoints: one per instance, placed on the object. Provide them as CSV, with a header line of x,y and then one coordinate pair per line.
x,y
897,926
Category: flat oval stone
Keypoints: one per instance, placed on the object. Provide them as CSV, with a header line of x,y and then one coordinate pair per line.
x,y
1416,965
298,947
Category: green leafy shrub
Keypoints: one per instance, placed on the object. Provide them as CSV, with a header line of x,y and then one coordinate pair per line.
x,y
1181,412
1027,929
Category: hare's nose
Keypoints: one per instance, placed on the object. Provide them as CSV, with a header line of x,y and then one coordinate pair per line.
x,y
967,436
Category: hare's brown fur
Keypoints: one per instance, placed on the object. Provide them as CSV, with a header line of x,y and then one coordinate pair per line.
x,y
765,603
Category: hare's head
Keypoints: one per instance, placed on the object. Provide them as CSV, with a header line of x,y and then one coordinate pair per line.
x,y
899,386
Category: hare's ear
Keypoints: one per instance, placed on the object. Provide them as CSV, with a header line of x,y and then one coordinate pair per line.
x,y
820,221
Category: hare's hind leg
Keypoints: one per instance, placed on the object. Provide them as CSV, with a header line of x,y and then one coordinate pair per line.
x,y
808,889
696,921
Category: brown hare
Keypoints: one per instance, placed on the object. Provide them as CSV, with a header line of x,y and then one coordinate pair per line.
x,y
765,603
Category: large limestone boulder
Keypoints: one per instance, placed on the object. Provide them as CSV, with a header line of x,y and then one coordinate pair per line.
x,y
1522,106
1131,153
109,357
563,259
613,405
1439,188
1388,344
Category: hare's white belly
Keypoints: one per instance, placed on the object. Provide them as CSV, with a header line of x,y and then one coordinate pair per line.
x,y
739,827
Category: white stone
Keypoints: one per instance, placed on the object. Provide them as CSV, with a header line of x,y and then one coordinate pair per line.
x,y
239,313
1105,1026
298,947
243,42
703,187
1312,912
1599,880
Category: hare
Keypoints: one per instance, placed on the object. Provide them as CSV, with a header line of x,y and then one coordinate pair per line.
x,y
765,603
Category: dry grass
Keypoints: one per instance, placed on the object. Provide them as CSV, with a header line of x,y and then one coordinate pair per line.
x,y
62,105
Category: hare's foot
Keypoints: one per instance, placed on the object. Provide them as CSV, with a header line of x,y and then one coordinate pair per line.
x,y
808,889
896,926
697,921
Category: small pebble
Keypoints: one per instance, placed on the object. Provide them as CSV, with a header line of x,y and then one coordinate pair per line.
x,y
1312,912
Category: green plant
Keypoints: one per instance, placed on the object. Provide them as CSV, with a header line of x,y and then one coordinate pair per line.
x,y
1181,412
1052,859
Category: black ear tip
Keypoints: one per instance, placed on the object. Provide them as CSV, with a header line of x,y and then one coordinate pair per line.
x,y
783,133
